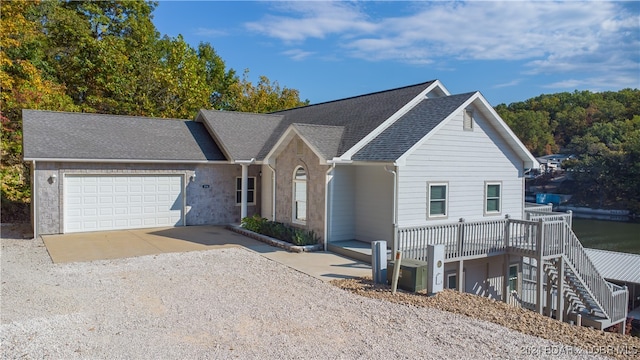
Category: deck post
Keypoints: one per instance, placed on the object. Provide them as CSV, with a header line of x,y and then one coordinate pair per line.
x,y
560,289
460,236
540,268
549,303
505,279
461,276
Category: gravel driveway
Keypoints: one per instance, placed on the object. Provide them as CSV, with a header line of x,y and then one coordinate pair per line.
x,y
228,303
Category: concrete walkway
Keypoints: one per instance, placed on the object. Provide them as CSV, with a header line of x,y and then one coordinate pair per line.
x,y
79,247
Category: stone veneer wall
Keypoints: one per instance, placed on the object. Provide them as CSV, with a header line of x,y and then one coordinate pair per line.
x,y
213,205
286,162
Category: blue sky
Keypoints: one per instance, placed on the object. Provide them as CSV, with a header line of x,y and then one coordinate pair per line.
x,y
510,51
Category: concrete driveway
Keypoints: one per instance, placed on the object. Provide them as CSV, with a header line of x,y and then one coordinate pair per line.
x,y
81,247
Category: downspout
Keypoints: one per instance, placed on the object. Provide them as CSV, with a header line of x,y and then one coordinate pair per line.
x,y
273,192
395,208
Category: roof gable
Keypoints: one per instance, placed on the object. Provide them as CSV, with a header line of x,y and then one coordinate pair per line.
x,y
359,115
69,136
242,136
409,129
323,140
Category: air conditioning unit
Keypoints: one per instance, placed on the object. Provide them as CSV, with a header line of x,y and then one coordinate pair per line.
x,y
413,274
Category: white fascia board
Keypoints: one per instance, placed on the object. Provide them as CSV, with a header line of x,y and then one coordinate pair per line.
x,y
374,163
438,84
245,162
285,138
214,135
397,115
281,141
403,158
529,160
134,161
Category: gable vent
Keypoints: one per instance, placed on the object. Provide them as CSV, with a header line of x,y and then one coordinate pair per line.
x,y
467,122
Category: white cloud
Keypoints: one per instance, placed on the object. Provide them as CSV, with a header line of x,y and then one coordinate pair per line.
x,y
551,37
508,84
312,19
297,54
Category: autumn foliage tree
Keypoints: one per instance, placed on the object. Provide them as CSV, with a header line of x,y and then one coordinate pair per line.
x,y
602,131
106,57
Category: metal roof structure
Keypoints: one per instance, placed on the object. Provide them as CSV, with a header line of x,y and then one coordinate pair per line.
x,y
616,266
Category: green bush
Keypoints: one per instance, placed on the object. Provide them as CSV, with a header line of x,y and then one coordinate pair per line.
x,y
279,231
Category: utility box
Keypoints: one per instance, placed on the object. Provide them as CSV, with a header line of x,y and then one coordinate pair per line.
x,y
413,274
435,258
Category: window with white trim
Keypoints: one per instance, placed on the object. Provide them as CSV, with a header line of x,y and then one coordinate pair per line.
x,y
467,121
437,200
299,195
493,198
251,190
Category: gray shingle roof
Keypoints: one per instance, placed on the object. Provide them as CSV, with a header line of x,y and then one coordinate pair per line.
x,y
394,141
243,135
325,138
358,115
64,135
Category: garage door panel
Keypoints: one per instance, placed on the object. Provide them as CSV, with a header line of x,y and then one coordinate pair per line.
x,y
122,202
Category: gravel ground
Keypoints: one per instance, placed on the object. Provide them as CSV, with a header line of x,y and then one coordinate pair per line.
x,y
229,303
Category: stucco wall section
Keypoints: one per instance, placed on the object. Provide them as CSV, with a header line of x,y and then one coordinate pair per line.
x,y
286,162
215,204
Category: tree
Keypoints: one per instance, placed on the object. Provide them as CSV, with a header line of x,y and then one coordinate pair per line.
x,y
107,57
533,128
264,97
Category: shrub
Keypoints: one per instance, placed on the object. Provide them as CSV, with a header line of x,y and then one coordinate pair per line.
x,y
279,231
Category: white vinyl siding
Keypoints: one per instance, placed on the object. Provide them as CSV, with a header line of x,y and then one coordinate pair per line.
x,y
343,218
251,190
465,159
374,204
98,203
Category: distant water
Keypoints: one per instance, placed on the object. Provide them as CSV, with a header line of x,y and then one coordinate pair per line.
x,y
608,235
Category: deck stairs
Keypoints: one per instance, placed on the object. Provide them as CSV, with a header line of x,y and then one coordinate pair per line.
x,y
599,302
547,238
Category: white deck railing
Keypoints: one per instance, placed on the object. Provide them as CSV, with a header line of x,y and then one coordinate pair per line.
x,y
535,215
460,239
538,207
548,237
611,298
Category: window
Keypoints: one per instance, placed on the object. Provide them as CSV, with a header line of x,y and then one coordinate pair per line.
x,y
513,277
300,195
437,202
452,281
251,190
492,198
467,122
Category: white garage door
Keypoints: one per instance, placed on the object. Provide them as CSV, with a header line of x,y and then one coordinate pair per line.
x,y
95,203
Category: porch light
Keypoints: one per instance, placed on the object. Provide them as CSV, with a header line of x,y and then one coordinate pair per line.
x,y
52,178
193,177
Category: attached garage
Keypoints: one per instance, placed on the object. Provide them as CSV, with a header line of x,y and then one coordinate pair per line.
x,y
95,172
108,202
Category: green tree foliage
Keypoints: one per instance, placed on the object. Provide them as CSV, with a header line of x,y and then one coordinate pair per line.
x,y
602,130
107,57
